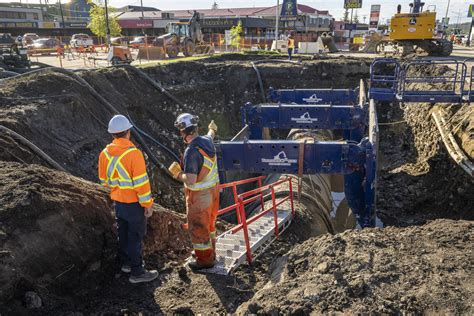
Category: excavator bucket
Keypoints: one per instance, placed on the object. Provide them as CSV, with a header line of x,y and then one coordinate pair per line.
x,y
372,42
153,53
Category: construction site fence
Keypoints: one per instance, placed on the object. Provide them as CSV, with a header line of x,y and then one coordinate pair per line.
x,y
216,40
261,194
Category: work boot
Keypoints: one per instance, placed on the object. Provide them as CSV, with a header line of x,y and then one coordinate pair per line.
x,y
126,268
147,276
195,266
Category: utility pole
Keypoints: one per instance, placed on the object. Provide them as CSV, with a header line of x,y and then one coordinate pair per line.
x,y
468,42
447,9
277,15
107,32
62,18
144,33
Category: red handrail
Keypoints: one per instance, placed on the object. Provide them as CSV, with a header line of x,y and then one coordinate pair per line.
x,y
250,196
234,185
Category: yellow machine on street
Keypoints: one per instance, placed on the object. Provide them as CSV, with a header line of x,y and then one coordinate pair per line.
x,y
411,32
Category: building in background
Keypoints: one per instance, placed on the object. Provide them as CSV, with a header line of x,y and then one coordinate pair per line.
x,y
258,21
45,19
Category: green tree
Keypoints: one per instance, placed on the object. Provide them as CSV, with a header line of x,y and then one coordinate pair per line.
x,y
235,32
97,24
346,16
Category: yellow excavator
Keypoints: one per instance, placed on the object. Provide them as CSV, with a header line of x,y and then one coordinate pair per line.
x,y
410,33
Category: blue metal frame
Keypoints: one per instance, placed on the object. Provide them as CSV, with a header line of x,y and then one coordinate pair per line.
x,y
286,116
314,96
355,157
453,94
397,85
384,87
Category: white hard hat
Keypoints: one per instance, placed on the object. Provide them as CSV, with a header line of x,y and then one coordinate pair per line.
x,y
118,124
186,120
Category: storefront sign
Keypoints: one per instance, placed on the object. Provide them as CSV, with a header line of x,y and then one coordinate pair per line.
x,y
49,25
350,27
18,25
374,16
136,24
289,8
72,25
352,4
220,22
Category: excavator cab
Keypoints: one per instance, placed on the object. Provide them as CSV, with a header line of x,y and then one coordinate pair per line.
x,y
179,28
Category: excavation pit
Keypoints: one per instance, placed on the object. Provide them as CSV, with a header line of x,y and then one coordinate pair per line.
x,y
417,183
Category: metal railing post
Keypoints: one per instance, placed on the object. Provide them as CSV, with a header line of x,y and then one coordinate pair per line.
x,y
291,198
245,229
236,200
261,194
275,217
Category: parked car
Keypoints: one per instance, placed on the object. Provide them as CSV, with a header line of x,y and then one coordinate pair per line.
x,y
45,45
28,38
119,41
81,40
140,41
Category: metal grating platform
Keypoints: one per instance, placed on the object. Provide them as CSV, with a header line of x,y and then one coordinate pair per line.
x,y
230,248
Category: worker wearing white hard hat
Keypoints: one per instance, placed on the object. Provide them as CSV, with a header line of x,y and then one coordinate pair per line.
x,y
122,168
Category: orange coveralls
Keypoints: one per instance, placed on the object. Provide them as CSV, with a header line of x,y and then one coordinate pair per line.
x,y
202,204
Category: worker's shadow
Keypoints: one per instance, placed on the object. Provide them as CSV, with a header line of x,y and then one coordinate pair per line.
x,y
236,288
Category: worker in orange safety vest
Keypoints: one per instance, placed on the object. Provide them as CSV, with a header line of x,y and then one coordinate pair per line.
x,y
122,168
198,172
291,46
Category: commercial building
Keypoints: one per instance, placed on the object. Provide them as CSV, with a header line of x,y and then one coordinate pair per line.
x,y
259,21
45,19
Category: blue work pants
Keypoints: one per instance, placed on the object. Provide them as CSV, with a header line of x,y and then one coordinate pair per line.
x,y
131,226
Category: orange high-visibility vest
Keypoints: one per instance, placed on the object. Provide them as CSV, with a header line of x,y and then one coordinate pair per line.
x,y
122,168
208,176
291,43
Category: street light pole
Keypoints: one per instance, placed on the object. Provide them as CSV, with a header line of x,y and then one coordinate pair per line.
x,y
447,9
144,33
107,24
277,15
62,18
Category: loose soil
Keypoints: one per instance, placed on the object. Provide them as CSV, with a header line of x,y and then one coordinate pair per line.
x,y
77,272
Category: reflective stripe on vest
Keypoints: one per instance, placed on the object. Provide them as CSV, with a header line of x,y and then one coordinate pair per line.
x,y
123,181
210,180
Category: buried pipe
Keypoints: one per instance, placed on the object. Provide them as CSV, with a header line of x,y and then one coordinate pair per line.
x,y
35,149
81,81
451,145
316,205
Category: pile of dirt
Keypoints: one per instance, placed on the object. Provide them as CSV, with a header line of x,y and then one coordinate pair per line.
x,y
56,232
57,236
418,180
425,269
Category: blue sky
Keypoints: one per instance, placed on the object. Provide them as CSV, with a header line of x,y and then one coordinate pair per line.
x,y
458,8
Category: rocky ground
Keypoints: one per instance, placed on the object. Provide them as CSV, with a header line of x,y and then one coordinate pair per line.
x,y
420,269
56,228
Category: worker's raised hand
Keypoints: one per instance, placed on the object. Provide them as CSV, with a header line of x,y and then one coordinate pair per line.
x,y
213,126
175,169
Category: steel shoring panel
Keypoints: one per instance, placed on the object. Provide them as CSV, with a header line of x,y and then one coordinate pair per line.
x,y
230,248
